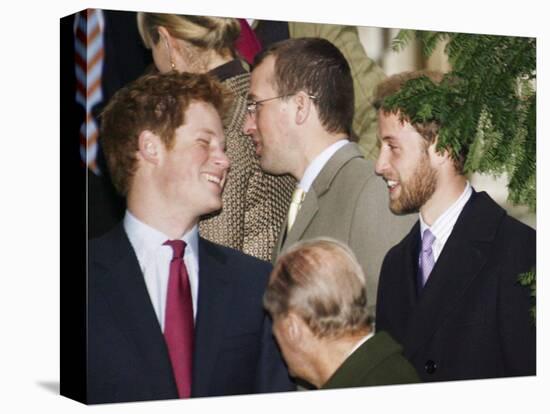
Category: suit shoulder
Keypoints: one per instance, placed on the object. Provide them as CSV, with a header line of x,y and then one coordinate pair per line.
x,y
356,173
107,244
517,242
362,166
249,273
233,257
518,229
508,229
401,247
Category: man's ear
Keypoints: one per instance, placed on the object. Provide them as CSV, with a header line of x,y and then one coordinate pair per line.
x,y
149,147
296,328
304,105
438,157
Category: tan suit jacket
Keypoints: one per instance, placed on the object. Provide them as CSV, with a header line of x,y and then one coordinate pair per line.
x,y
348,202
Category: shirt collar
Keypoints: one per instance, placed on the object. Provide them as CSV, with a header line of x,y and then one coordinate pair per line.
x,y
361,342
315,167
449,216
146,239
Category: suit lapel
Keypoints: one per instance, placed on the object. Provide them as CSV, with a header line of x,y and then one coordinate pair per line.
x,y
319,187
214,298
459,264
397,298
133,311
410,268
305,216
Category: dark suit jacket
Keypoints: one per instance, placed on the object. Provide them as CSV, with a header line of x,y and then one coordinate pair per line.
x,y
235,352
471,320
376,362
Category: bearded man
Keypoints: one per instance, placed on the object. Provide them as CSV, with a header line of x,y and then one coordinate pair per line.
x,y
449,291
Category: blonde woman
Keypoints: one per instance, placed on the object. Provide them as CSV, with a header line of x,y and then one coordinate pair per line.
x,y
254,203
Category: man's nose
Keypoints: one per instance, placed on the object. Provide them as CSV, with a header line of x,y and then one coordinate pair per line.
x,y
249,124
381,163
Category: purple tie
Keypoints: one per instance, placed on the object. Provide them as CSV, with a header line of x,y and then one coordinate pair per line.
x,y
426,256
178,321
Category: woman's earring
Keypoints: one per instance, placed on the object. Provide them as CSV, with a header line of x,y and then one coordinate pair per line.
x,y
172,64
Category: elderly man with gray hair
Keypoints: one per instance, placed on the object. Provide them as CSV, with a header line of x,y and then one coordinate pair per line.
x,y
317,298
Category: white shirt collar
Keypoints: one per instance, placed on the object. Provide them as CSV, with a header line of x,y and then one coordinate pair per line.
x,y
145,238
315,167
361,342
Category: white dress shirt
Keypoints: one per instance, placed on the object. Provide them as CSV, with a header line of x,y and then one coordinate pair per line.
x,y
315,167
154,261
443,226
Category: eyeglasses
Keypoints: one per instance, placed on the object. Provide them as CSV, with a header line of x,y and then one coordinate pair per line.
x,y
252,106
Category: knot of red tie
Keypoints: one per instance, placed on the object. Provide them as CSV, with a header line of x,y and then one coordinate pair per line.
x,y
178,248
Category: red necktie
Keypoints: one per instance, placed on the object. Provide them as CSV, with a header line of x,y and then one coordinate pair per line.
x,y
248,44
178,321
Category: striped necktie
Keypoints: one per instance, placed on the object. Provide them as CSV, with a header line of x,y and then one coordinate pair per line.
x,y
89,52
426,259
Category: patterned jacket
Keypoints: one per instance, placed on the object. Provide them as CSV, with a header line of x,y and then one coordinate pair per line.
x,y
255,204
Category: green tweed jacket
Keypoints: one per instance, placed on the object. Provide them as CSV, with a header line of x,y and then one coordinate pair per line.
x,y
378,361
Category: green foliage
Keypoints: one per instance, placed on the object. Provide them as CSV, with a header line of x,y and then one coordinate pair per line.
x,y
529,279
486,106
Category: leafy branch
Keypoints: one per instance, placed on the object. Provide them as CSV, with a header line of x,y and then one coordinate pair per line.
x,y
486,106
529,279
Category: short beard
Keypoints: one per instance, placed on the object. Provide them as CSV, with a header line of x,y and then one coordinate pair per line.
x,y
417,190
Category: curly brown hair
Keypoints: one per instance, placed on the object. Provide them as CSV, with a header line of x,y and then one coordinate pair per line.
x,y
156,103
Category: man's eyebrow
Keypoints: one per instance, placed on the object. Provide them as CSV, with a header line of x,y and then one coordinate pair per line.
x,y
388,140
251,97
207,130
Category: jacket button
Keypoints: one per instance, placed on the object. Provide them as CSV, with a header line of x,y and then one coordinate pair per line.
x,y
430,366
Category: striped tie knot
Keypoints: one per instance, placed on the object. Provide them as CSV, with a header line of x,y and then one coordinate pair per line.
x,y
427,240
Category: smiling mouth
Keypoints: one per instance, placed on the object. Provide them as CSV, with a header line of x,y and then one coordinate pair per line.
x,y
392,184
215,179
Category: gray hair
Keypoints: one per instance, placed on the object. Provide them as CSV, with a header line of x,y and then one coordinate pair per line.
x,y
321,280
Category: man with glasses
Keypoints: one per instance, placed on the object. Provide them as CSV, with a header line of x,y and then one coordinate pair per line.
x,y
300,114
